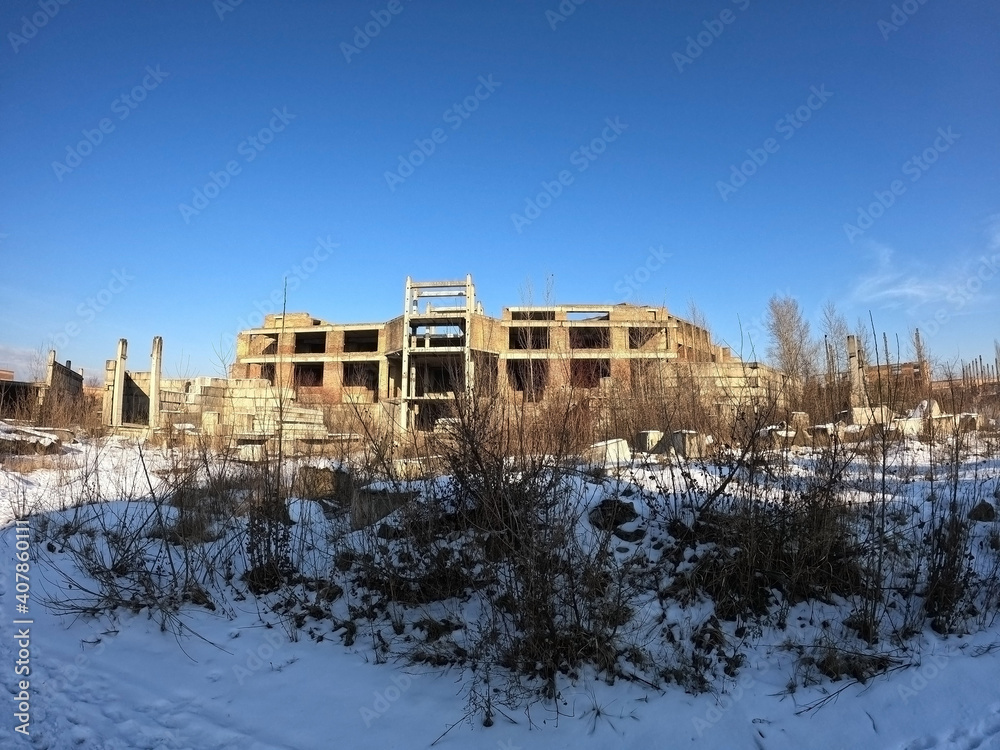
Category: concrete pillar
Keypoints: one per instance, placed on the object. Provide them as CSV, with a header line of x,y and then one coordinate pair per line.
x,y
155,372
855,374
406,375
468,369
383,388
118,392
50,368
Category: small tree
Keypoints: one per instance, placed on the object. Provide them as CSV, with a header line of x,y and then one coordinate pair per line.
x,y
791,348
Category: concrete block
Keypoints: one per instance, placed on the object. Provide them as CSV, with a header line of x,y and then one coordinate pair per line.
x,y
799,421
970,422
369,506
250,452
689,444
650,441
409,469
944,423
608,452
909,427
210,421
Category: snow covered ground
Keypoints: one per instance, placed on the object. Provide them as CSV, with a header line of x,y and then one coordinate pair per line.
x,y
233,678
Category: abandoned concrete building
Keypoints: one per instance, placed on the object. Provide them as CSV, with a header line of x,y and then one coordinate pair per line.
x,y
308,381
247,413
28,399
409,370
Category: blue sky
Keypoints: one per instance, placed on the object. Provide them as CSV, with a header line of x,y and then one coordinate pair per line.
x,y
240,143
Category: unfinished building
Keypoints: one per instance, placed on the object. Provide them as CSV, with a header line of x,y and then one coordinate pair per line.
x,y
408,371
243,413
33,401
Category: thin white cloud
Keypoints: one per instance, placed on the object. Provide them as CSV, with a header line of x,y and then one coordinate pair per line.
x,y
22,361
902,285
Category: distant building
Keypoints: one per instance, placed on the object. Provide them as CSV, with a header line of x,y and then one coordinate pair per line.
x,y
27,400
409,370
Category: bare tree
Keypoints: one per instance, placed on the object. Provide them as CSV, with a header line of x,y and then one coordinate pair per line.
x,y
697,316
38,365
791,348
224,355
919,351
836,331
863,336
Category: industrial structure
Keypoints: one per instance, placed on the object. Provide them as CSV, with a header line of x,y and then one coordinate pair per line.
x,y
410,369
29,399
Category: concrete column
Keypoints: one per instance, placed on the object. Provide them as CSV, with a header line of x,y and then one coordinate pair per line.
x,y
118,392
468,370
155,372
406,375
855,374
50,368
383,391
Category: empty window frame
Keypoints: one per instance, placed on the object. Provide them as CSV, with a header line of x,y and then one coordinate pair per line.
x,y
361,375
639,338
308,374
361,382
528,338
439,378
587,373
533,315
589,338
528,377
263,343
267,372
428,415
310,343
441,335
361,341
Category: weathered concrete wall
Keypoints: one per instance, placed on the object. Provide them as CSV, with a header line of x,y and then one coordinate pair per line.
x,y
62,380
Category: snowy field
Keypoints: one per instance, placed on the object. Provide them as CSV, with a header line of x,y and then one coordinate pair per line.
x,y
235,673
